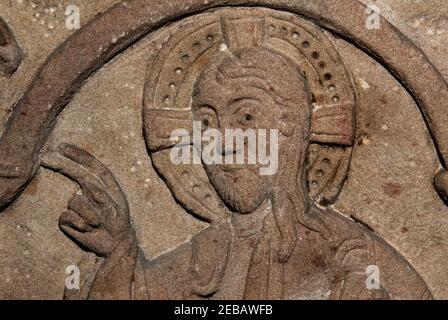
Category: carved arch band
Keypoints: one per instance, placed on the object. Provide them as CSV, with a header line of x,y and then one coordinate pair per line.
x,y
88,49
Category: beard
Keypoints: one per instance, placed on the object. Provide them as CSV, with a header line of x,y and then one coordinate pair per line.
x,y
242,190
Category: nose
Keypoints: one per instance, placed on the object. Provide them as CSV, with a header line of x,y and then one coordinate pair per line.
x,y
225,124
233,142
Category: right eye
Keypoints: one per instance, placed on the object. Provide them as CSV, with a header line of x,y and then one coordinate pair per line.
x,y
206,116
206,120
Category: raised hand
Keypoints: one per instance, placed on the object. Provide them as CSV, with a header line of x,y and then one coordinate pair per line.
x,y
98,218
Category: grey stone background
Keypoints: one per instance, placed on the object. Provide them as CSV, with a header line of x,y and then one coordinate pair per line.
x,y
389,186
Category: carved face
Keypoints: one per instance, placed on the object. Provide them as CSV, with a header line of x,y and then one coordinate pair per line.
x,y
251,90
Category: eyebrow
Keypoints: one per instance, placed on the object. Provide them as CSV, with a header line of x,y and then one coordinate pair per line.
x,y
204,105
237,100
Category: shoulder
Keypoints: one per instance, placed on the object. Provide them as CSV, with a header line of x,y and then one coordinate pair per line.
x,y
339,227
191,269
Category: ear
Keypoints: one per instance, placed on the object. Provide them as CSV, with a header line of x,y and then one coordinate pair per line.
x,y
159,124
286,123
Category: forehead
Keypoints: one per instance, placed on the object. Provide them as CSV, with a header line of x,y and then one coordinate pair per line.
x,y
211,90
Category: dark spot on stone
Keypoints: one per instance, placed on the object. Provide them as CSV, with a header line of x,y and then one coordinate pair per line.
x,y
392,189
318,261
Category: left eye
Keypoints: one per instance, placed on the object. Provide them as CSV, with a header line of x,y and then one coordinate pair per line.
x,y
248,117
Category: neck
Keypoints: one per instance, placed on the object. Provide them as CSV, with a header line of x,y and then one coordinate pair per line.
x,y
246,225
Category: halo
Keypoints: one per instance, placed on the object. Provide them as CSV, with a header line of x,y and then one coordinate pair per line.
x,y
198,42
72,63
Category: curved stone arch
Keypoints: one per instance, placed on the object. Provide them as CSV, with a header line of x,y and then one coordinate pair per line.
x,y
88,49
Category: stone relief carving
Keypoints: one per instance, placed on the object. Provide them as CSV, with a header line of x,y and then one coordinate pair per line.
x,y
268,237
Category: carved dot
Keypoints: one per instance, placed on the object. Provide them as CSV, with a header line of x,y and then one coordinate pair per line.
x,y
196,188
328,76
166,99
315,55
272,27
322,65
205,123
295,35
172,86
336,99
185,58
326,161
179,71
319,173
314,183
332,87
248,117
196,45
209,38
284,31
306,44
